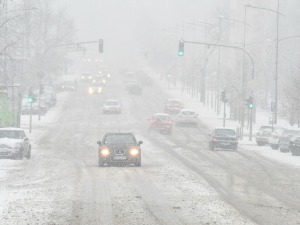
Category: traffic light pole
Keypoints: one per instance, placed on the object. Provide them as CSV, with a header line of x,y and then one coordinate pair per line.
x,y
30,118
224,114
251,123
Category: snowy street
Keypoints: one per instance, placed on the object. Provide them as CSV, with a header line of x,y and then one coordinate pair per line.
x,y
180,181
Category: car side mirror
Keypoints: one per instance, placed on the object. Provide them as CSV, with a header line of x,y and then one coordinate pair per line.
x,y
26,139
99,142
140,142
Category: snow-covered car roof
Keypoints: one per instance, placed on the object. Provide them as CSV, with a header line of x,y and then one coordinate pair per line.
x,y
161,114
12,128
188,110
225,128
174,99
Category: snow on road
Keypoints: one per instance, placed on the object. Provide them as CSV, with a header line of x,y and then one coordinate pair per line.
x,y
180,181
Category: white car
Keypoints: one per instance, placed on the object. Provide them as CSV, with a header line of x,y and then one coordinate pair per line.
x,y
14,144
187,117
112,106
275,136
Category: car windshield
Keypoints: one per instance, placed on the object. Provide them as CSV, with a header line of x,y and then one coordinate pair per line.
x,y
187,113
112,103
162,117
119,139
12,134
225,132
174,102
266,129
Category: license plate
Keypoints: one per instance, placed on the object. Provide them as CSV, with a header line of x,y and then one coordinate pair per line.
x,y
225,143
120,158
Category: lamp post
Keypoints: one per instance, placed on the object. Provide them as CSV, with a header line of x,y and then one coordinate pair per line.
x,y
277,52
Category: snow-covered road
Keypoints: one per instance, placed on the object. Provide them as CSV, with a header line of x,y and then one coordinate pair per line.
x,y
180,181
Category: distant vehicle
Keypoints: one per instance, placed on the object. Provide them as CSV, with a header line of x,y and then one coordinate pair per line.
x,y
68,86
275,136
295,145
112,106
173,105
263,134
95,89
161,122
287,135
134,88
86,77
223,138
14,144
119,148
187,117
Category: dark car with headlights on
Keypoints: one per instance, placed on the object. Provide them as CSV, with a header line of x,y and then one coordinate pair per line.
x,y
263,135
14,144
286,137
223,138
161,122
120,149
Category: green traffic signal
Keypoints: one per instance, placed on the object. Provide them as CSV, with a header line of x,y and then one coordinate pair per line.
x,y
181,48
30,99
250,106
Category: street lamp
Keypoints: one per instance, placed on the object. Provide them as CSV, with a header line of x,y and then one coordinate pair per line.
x,y
277,50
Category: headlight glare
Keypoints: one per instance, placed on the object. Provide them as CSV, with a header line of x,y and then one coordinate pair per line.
x,y
134,151
105,152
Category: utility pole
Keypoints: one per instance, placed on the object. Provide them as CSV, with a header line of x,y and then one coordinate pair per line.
x,y
276,65
219,69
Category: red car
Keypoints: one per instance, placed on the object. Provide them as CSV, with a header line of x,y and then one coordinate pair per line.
x,y
161,122
173,106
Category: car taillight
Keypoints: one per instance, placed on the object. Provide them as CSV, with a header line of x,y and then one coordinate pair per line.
x,y
214,139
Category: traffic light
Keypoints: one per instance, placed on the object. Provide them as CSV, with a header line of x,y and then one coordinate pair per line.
x,y
250,103
31,97
181,48
101,45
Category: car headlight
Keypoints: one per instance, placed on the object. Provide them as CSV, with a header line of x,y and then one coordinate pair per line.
x,y
134,152
90,77
105,152
82,77
99,90
91,90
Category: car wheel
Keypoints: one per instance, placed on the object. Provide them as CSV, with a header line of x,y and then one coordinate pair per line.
x,y
235,148
28,156
101,163
259,143
19,156
295,153
284,150
138,162
274,147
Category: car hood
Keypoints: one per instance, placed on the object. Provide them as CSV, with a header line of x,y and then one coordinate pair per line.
x,y
120,145
10,142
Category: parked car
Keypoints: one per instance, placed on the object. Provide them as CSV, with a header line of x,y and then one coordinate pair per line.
x,y
285,139
161,122
14,144
295,145
119,148
223,138
275,136
173,106
187,117
263,134
112,106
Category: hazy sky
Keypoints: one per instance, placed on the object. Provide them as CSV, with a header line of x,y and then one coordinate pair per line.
x,y
127,25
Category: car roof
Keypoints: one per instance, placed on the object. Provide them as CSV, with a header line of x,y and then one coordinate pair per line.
x,y
188,110
111,100
12,128
174,99
225,128
118,133
161,114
